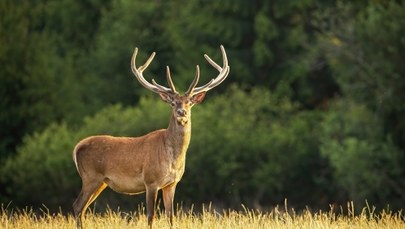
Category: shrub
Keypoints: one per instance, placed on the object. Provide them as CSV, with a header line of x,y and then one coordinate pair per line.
x,y
247,147
43,172
365,163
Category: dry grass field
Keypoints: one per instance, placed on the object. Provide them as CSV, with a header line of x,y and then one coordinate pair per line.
x,y
208,218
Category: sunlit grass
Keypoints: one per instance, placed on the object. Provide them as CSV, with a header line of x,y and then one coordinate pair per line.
x,y
209,218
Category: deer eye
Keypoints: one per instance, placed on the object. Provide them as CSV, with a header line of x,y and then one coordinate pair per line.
x,y
173,103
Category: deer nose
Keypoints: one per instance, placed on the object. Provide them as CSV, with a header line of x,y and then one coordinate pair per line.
x,y
181,112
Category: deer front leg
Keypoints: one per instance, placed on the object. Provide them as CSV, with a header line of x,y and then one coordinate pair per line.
x,y
151,196
168,197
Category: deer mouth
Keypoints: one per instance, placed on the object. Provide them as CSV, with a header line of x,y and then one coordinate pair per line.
x,y
182,120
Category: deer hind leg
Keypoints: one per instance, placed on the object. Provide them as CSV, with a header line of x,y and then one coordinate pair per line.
x,y
168,197
151,196
86,196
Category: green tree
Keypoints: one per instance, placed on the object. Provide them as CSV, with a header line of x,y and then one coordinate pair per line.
x,y
365,54
241,142
29,87
270,42
252,148
41,78
43,172
363,160
63,60
124,26
364,48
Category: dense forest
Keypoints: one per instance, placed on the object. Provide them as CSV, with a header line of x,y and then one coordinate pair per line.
x,y
313,110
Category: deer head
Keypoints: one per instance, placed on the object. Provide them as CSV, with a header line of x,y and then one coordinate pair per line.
x,y
181,104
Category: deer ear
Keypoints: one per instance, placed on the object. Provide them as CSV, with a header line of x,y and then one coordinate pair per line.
x,y
198,98
166,97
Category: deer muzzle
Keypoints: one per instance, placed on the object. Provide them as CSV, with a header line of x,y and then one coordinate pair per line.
x,y
181,116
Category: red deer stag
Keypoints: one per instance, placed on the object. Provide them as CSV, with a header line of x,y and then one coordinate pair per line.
x,y
155,161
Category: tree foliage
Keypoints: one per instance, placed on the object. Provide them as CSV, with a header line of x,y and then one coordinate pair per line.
x,y
40,74
314,101
42,172
247,151
351,133
366,55
258,143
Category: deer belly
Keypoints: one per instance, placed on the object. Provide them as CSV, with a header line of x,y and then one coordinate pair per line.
x,y
127,185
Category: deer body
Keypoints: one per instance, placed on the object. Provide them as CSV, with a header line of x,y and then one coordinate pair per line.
x,y
156,159
153,162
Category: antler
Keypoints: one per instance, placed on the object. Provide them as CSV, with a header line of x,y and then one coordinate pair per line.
x,y
155,87
223,73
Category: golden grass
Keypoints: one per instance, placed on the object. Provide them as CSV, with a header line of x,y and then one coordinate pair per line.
x,y
208,218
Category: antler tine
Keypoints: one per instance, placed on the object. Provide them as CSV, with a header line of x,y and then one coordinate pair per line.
x,y
169,80
138,72
215,65
223,73
195,81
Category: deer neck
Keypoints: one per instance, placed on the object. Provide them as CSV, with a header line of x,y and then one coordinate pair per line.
x,y
178,138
